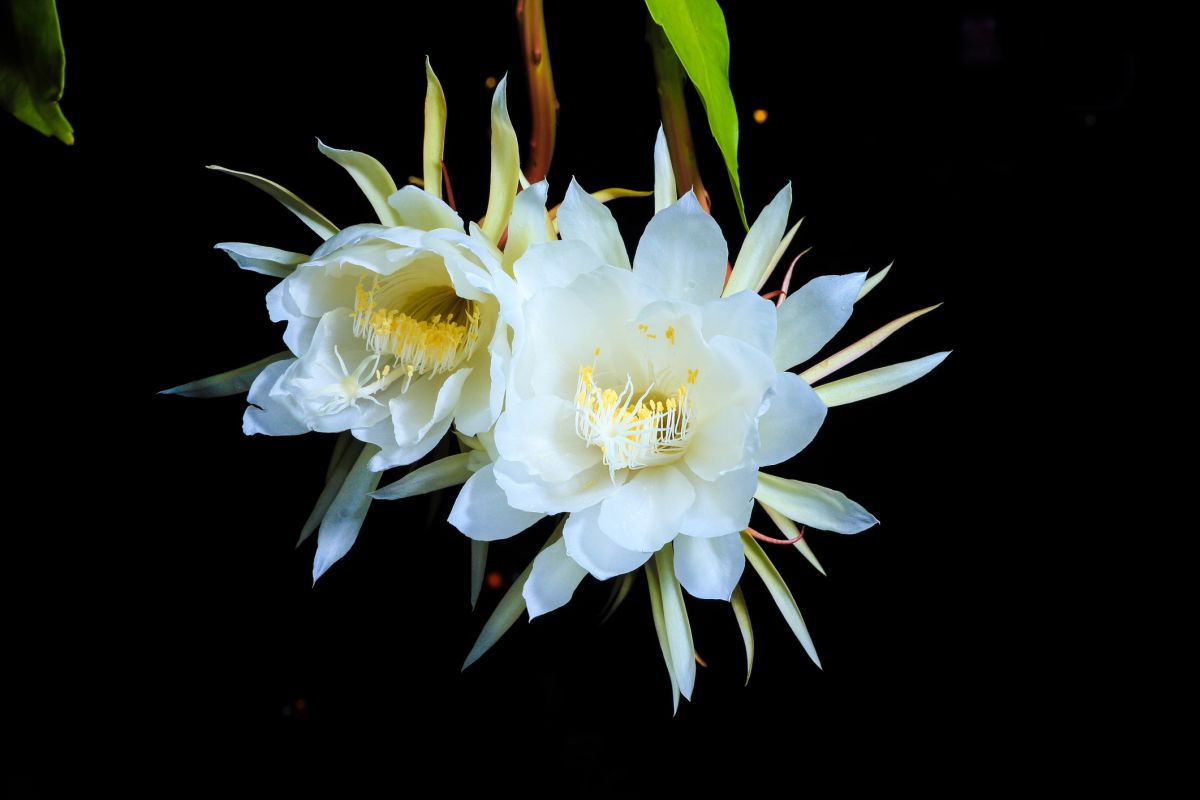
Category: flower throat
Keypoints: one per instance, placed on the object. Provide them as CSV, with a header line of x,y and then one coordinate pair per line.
x,y
427,332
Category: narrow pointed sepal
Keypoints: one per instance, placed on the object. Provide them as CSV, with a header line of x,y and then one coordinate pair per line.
x,y
780,593
235,381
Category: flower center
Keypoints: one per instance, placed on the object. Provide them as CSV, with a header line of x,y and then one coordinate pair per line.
x,y
425,332
633,433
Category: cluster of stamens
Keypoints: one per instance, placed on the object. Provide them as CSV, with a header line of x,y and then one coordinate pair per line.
x,y
418,341
632,433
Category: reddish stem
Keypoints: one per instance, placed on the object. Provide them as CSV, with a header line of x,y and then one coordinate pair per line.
x,y
543,101
449,188
762,537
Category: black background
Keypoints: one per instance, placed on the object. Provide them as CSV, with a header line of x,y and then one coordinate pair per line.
x,y
166,633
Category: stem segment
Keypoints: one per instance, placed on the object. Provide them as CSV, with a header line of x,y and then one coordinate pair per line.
x,y
543,102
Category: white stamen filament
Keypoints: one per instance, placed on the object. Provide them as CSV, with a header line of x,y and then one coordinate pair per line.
x,y
632,434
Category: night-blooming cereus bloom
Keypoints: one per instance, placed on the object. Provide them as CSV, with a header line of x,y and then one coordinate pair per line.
x,y
644,400
393,327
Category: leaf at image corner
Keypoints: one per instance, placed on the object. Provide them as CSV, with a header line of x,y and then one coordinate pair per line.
x,y
32,66
696,30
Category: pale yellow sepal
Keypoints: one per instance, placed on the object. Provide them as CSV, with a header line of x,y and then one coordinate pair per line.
x,y
873,281
875,382
506,168
679,629
315,220
742,613
345,453
780,593
371,176
864,345
435,132
784,244
235,381
479,551
660,628
509,609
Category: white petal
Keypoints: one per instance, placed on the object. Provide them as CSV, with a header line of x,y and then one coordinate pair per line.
x,y
540,433
419,209
531,493
554,264
315,289
645,513
745,315
594,551
281,307
568,329
277,414
391,454
737,374
790,422
528,225
586,219
811,316
682,253
709,568
664,174
482,511
415,411
813,505
475,408
722,506
552,581
342,522
877,381
761,240
726,442
371,177
263,260
447,400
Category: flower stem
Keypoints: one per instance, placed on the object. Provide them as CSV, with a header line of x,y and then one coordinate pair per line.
x,y
543,102
670,78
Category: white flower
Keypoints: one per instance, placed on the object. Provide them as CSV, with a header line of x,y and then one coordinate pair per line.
x,y
396,326
394,329
643,403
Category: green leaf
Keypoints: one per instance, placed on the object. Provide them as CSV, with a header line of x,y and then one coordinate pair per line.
x,y
235,381
696,30
32,67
